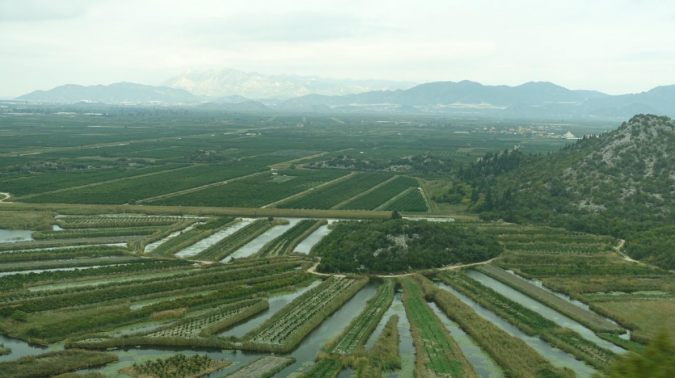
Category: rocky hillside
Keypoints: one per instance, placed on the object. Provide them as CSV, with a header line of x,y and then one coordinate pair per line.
x,y
621,183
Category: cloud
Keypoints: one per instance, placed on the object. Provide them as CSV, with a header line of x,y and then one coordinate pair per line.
x,y
41,10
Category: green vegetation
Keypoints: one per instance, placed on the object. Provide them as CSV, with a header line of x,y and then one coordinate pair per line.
x,y
54,363
328,368
26,220
94,233
400,245
437,353
263,367
332,195
286,242
384,355
379,196
176,366
585,317
412,201
529,321
655,361
238,239
286,328
516,358
255,191
4,350
357,332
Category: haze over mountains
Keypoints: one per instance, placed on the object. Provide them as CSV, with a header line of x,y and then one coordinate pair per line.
x,y
233,90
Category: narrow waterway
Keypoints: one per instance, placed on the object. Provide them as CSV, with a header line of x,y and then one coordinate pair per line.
x,y
306,245
482,363
254,245
13,236
556,356
542,309
213,239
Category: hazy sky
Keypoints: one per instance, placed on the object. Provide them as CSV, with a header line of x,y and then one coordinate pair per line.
x,y
616,46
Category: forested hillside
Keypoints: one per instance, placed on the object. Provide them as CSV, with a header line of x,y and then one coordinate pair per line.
x,y
621,183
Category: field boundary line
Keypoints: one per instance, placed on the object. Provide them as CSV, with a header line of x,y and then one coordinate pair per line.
x,y
282,165
200,188
105,182
427,198
297,195
365,192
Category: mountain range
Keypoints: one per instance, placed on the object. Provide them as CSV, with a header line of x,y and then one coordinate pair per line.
x,y
231,90
252,85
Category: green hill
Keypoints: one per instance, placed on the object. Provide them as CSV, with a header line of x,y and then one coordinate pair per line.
x,y
621,183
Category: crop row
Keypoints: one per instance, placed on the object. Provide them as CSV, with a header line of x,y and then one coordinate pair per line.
x,y
379,196
437,353
207,324
143,289
556,248
63,254
175,366
329,196
130,191
286,242
583,316
358,331
263,367
113,222
94,233
74,263
328,368
529,321
513,355
255,191
410,202
286,328
238,239
120,315
19,281
190,236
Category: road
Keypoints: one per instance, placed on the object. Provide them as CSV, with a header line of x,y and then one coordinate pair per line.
x,y
312,270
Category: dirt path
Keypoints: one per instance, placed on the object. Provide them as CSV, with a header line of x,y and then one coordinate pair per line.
x,y
5,197
618,249
312,270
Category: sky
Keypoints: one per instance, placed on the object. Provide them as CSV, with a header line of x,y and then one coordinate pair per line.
x,y
614,46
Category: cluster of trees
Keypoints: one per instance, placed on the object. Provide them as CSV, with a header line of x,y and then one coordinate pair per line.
x,y
399,245
418,165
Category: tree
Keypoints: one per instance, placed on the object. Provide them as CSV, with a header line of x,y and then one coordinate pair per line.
x,y
396,215
657,361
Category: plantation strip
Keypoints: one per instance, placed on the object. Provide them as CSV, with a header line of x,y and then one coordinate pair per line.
x,y
176,366
42,244
231,243
437,353
286,242
94,233
54,363
413,202
264,367
74,263
303,193
199,188
381,194
357,332
286,328
530,322
365,193
203,211
511,353
585,317
63,254
114,222
328,368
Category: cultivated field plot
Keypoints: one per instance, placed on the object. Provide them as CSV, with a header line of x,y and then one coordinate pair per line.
x,y
327,368
175,366
255,191
290,325
231,243
213,321
380,195
262,367
286,242
129,191
588,318
411,201
357,333
332,195
437,353
114,221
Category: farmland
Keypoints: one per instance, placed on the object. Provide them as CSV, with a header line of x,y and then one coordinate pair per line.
x,y
169,240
